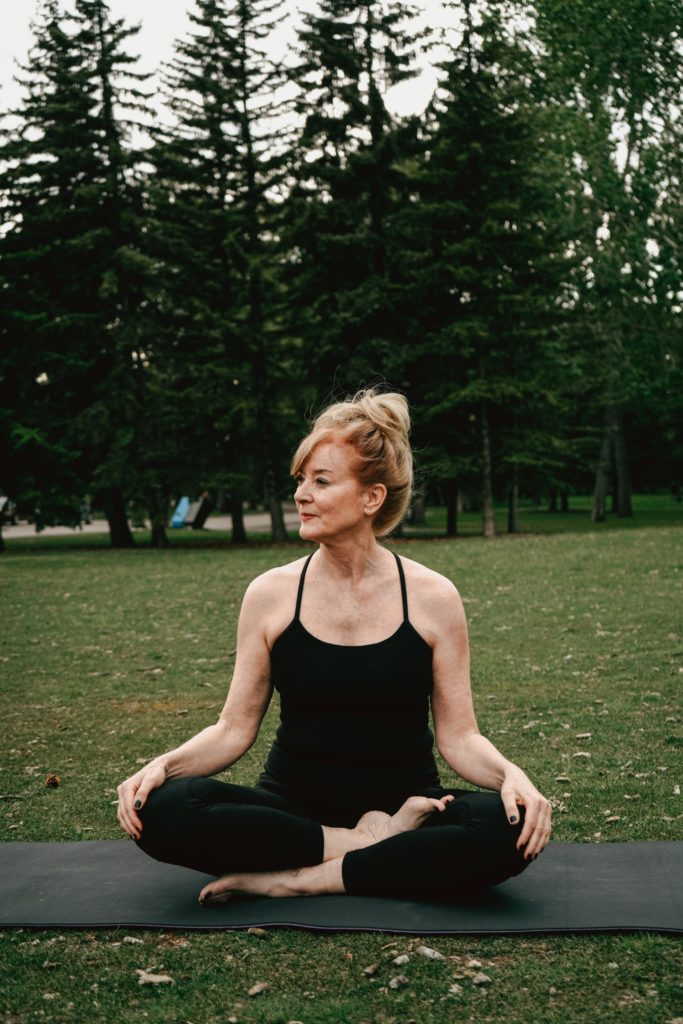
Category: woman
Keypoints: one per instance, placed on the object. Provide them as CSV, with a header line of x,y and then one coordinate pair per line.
x,y
358,642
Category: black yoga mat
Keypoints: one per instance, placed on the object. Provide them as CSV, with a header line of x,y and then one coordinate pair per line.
x,y
572,887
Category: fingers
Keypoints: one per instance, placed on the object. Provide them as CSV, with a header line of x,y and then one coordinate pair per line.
x,y
509,798
126,816
537,827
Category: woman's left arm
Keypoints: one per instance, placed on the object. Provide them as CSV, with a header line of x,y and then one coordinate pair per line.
x,y
457,736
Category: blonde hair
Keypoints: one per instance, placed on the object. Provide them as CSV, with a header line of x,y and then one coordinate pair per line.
x,y
377,426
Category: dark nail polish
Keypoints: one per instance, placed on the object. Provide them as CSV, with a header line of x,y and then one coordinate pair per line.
x,y
137,805
513,819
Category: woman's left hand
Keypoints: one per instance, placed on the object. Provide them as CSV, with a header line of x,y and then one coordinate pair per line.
x,y
517,789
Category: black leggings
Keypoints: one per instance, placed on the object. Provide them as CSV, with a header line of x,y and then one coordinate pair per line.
x,y
219,828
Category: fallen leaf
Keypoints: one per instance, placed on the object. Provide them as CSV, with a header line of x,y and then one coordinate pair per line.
x,y
474,963
52,780
481,979
261,933
147,978
429,954
131,940
398,981
258,988
581,753
401,960
455,990
371,969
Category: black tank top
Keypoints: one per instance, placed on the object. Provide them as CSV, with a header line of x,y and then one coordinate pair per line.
x,y
354,721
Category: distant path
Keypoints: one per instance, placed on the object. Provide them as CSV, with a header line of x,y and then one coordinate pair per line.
x,y
254,522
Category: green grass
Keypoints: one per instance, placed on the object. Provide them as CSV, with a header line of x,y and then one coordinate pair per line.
x,y
109,657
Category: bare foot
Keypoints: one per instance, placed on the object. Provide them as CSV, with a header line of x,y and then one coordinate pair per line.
x,y
307,881
409,816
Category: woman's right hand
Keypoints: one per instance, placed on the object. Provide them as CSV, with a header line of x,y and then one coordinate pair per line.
x,y
133,794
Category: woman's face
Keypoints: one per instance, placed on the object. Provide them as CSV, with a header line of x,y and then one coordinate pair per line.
x,y
329,497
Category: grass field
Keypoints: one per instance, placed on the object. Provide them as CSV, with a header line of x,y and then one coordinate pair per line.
x,y
107,658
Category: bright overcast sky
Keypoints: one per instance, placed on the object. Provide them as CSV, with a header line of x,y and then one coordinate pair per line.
x,y
164,21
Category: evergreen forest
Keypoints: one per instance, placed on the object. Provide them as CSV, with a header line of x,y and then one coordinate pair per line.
x,y
182,294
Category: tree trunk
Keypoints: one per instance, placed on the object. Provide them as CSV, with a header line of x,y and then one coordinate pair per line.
x,y
277,516
239,534
157,509
418,517
552,506
513,503
602,473
564,501
115,511
623,481
615,493
159,538
2,539
452,494
486,485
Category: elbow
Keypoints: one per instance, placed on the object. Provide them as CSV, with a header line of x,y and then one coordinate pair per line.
x,y
237,735
451,746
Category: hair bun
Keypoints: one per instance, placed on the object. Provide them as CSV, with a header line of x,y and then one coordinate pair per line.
x,y
387,410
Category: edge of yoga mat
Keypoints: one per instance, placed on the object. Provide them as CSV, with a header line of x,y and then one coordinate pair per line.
x,y
573,887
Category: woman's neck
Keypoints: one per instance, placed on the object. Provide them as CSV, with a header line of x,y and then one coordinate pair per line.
x,y
351,558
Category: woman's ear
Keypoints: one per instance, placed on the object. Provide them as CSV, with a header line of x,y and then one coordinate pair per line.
x,y
374,498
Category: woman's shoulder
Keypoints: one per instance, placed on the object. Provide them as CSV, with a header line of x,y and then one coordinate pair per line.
x,y
428,581
271,585
434,604
269,600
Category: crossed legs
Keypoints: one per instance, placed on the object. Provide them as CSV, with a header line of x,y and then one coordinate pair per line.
x,y
434,846
327,877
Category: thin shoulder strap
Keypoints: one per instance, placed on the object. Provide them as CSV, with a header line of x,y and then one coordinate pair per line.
x,y
404,592
301,586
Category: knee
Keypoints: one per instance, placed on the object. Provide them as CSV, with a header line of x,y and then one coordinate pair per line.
x,y
510,860
498,837
164,813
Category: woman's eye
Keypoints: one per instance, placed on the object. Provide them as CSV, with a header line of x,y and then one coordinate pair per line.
x,y
323,482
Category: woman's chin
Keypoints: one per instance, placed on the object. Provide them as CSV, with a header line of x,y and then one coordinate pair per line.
x,y
307,530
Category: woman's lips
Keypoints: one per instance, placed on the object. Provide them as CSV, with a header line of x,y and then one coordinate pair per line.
x,y
306,515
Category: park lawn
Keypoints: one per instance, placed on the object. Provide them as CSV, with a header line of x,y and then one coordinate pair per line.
x,y
650,511
109,657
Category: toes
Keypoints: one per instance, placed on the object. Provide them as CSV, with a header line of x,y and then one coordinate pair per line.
x,y
214,893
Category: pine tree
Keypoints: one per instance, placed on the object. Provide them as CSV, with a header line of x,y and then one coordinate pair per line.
x,y
49,158
218,171
337,222
484,268
71,253
622,81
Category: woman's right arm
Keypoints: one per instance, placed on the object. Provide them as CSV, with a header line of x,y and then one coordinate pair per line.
x,y
220,745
